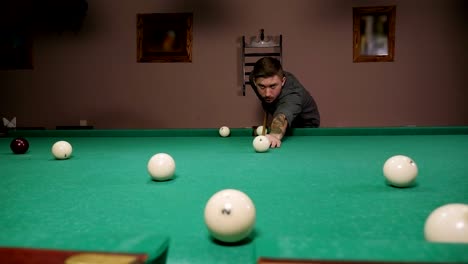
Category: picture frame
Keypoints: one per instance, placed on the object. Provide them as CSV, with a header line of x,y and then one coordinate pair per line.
x,y
16,50
164,37
374,34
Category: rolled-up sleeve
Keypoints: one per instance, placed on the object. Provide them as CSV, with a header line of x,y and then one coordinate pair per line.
x,y
290,106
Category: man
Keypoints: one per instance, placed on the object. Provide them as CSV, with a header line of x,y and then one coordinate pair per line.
x,y
284,97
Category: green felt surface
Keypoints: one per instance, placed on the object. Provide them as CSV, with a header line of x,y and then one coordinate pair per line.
x,y
321,196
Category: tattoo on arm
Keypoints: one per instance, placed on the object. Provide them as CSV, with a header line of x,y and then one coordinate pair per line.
x,y
279,125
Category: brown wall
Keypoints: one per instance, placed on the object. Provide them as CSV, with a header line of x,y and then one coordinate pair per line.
x,y
93,74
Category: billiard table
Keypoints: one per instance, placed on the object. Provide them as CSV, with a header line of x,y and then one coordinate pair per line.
x,y
322,196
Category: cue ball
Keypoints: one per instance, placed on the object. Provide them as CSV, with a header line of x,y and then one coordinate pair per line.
x,y
259,131
230,215
224,131
261,143
400,171
161,167
448,224
19,145
62,150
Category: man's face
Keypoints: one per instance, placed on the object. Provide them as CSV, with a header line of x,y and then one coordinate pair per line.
x,y
269,88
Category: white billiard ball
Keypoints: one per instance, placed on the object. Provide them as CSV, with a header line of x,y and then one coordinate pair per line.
x,y
62,150
448,224
161,167
259,131
400,171
224,131
230,215
261,143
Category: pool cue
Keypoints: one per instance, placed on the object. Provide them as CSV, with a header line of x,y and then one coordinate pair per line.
x,y
264,123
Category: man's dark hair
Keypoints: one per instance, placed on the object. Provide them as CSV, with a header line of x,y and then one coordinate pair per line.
x,y
267,67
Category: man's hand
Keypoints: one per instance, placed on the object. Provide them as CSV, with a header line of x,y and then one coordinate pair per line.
x,y
275,142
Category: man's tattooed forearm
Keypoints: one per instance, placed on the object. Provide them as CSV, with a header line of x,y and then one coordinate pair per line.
x,y
279,124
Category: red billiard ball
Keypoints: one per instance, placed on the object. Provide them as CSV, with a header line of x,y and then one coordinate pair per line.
x,y
19,145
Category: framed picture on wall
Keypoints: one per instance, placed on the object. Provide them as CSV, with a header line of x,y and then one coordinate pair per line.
x,y
374,33
16,49
164,37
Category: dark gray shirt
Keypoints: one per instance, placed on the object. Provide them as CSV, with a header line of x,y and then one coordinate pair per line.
x,y
295,102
